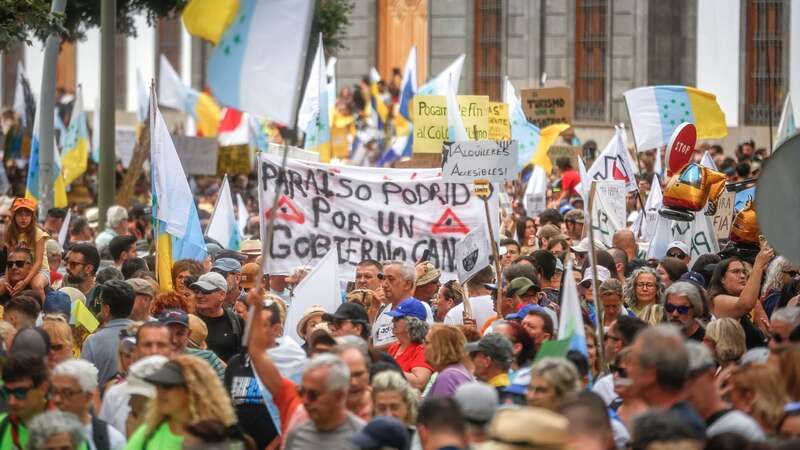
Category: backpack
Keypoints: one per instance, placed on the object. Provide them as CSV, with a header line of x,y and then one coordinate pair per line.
x,y
235,326
100,434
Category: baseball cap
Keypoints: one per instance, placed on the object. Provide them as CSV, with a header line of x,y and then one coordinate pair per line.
x,y
135,383
584,246
348,311
427,273
409,308
527,427
574,215
603,274
211,282
520,286
23,203
477,401
250,275
170,374
493,345
198,332
141,286
227,265
383,432
695,278
548,231
178,316
680,246
519,315
213,249
59,303
31,340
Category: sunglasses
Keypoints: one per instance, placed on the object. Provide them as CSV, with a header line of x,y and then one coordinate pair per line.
x,y
672,308
619,370
18,263
777,338
310,394
678,255
18,393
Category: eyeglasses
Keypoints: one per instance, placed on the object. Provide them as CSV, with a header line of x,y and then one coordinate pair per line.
x,y
63,393
310,394
777,338
678,255
672,308
75,263
646,285
619,370
18,393
19,263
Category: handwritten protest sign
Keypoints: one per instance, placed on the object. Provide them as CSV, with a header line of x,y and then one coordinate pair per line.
x,y
546,106
124,142
535,203
465,162
723,218
364,212
499,125
198,155
608,209
472,253
430,120
570,151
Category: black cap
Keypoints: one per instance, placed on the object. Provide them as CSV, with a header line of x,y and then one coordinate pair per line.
x,y
348,311
169,374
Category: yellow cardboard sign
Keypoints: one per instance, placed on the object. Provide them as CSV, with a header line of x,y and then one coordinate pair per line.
x,y
499,125
429,116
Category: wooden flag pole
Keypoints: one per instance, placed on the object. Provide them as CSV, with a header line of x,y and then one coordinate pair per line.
x,y
598,305
482,189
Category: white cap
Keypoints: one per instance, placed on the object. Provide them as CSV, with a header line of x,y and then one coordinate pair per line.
x,y
137,372
680,246
603,274
583,246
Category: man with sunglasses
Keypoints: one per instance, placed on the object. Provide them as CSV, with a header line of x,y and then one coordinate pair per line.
x,y
231,269
679,250
224,326
781,325
18,266
25,388
684,306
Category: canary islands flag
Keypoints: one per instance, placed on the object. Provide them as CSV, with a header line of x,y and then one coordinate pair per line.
x,y
32,190
75,154
178,231
655,112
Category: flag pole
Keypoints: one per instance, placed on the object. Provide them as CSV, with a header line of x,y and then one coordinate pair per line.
x,y
638,163
598,306
482,189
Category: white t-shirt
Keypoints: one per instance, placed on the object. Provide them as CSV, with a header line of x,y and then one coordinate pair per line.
x,y
382,333
482,310
735,421
115,409
115,438
604,387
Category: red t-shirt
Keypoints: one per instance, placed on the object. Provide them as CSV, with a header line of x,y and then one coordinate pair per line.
x,y
569,180
413,356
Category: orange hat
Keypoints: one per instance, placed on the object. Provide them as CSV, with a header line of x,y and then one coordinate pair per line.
x,y
23,203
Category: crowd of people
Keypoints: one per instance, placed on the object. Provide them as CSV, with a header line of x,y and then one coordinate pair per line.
x,y
697,351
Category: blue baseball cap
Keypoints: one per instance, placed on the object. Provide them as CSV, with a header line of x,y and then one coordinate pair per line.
x,y
519,315
695,278
227,265
383,432
409,308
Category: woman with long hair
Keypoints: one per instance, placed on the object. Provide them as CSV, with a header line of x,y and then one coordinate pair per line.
x,y
526,231
670,269
24,233
758,390
779,273
732,293
446,354
187,390
393,396
725,337
641,289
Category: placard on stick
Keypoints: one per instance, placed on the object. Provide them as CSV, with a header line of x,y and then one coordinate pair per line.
x,y
465,162
499,125
430,120
548,105
472,253
723,218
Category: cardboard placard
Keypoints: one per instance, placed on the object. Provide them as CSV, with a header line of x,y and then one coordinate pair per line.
x,y
234,160
608,210
472,253
124,143
198,154
499,125
430,120
465,162
548,105
723,218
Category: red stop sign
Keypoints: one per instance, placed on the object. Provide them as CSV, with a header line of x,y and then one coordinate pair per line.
x,y
681,147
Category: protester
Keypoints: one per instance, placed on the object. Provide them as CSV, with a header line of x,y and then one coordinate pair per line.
x,y
684,307
121,249
231,270
725,338
100,348
679,251
73,386
410,329
61,340
224,326
349,319
450,295
398,285
144,293
23,232
116,225
56,430
445,352
478,404
427,281
782,323
642,288
480,300
491,358
355,353
552,380
187,390
383,433
756,390
440,425
670,270
25,386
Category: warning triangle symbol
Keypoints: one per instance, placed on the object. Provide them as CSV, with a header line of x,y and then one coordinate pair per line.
x,y
449,223
287,211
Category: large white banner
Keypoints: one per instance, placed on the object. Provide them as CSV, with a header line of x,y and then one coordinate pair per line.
x,y
365,213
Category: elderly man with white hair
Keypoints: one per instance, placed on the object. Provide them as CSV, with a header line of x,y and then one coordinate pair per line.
x,y
73,385
116,225
399,282
55,429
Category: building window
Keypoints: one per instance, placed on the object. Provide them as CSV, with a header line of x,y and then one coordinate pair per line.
x,y
766,45
591,39
488,48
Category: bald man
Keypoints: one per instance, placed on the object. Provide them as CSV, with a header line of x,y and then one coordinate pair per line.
x,y
625,240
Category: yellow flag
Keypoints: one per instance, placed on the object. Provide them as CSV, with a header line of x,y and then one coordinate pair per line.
x,y
208,19
164,262
547,136
84,317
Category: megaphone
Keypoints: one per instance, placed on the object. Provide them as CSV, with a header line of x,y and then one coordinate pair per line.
x,y
777,200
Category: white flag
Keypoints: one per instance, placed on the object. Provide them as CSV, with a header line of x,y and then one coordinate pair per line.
x,y
223,226
647,220
708,161
319,287
615,163
241,213
62,233
439,85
